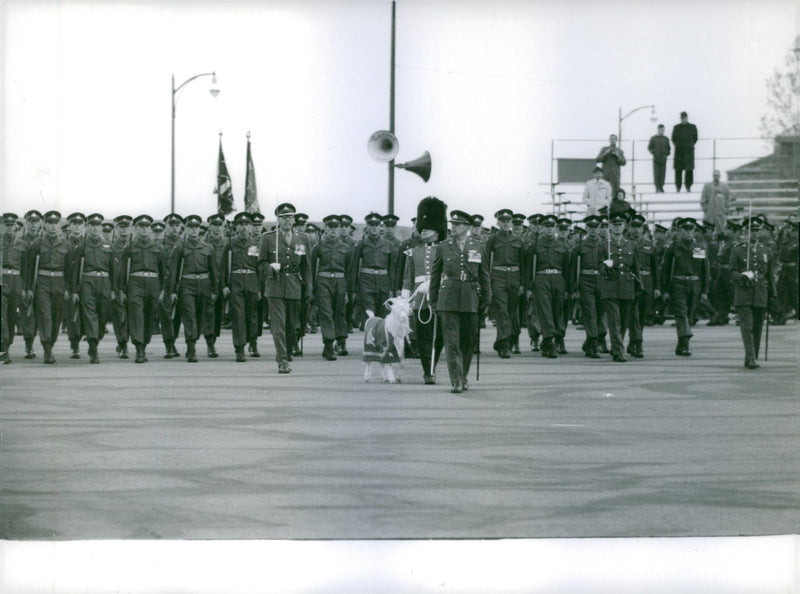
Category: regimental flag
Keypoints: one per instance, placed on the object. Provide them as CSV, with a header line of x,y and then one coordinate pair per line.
x,y
250,191
224,191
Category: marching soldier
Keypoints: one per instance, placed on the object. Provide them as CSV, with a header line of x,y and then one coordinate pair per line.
x,y
431,227
242,284
585,269
505,251
27,317
331,262
346,235
460,290
284,261
660,242
752,271
256,231
139,280
91,270
648,276
549,266
119,310
170,324
193,282
374,262
76,229
531,317
219,241
46,264
684,280
12,288
618,271
787,286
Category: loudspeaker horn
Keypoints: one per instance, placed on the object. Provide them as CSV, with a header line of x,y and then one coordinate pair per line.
x,y
382,146
421,166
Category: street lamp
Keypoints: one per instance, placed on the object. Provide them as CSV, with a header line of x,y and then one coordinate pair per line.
x,y
214,90
653,117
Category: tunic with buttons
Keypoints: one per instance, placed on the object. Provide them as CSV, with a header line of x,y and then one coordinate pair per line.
x,y
460,279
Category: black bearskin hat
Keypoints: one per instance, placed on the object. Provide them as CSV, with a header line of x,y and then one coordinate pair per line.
x,y
432,214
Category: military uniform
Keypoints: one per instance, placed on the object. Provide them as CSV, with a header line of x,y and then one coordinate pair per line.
x,y
585,268
140,278
331,261
549,267
752,272
648,287
91,274
242,279
685,278
119,309
170,323
287,287
374,263
194,279
506,253
460,288
50,285
617,288
74,233
12,287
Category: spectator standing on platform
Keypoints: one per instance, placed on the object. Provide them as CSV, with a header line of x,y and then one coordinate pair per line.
x,y
684,137
612,158
596,192
716,202
660,149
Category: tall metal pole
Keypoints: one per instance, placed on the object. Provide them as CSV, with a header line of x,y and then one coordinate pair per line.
x,y
390,208
172,146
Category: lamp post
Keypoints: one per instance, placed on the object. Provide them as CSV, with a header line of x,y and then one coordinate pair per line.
x,y
633,111
214,90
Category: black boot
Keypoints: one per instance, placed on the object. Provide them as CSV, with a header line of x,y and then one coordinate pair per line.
x,y
254,348
212,351
559,343
240,358
535,345
29,354
591,348
191,354
342,347
122,350
515,350
49,359
637,350
327,350
93,358
76,351
170,346
140,358
601,345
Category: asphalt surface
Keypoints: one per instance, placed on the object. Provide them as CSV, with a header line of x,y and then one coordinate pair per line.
x,y
572,447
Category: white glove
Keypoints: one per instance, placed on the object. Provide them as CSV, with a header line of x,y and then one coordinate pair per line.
x,y
424,288
609,263
749,274
405,293
276,266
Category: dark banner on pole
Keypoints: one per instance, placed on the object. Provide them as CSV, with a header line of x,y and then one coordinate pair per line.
x,y
224,190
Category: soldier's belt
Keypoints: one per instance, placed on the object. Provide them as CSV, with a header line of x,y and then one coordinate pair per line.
x,y
644,273
724,265
97,273
686,277
506,268
243,271
331,274
422,278
200,276
374,271
13,271
463,277
549,271
53,273
589,271
145,274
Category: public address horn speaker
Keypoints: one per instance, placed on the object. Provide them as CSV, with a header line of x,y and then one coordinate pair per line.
x,y
383,147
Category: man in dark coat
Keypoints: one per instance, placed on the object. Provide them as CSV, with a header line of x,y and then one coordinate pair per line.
x,y
660,149
684,137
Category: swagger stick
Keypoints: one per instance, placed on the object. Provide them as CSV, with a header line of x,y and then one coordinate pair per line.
x,y
76,315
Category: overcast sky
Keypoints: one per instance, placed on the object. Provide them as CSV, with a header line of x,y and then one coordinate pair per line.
x,y
483,86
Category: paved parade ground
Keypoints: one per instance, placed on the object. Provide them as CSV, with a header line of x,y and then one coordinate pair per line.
x,y
573,447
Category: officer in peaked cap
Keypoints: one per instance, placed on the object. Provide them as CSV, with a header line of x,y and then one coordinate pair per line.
x,y
300,220
685,279
374,260
648,285
11,284
242,283
549,261
45,283
585,262
284,261
460,291
506,251
139,283
193,283
331,261
91,273
219,241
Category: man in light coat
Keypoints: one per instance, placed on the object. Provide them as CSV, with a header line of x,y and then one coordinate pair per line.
x,y
596,193
716,202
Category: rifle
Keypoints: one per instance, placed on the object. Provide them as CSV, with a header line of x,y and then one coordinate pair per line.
x,y
76,314
177,288
33,287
